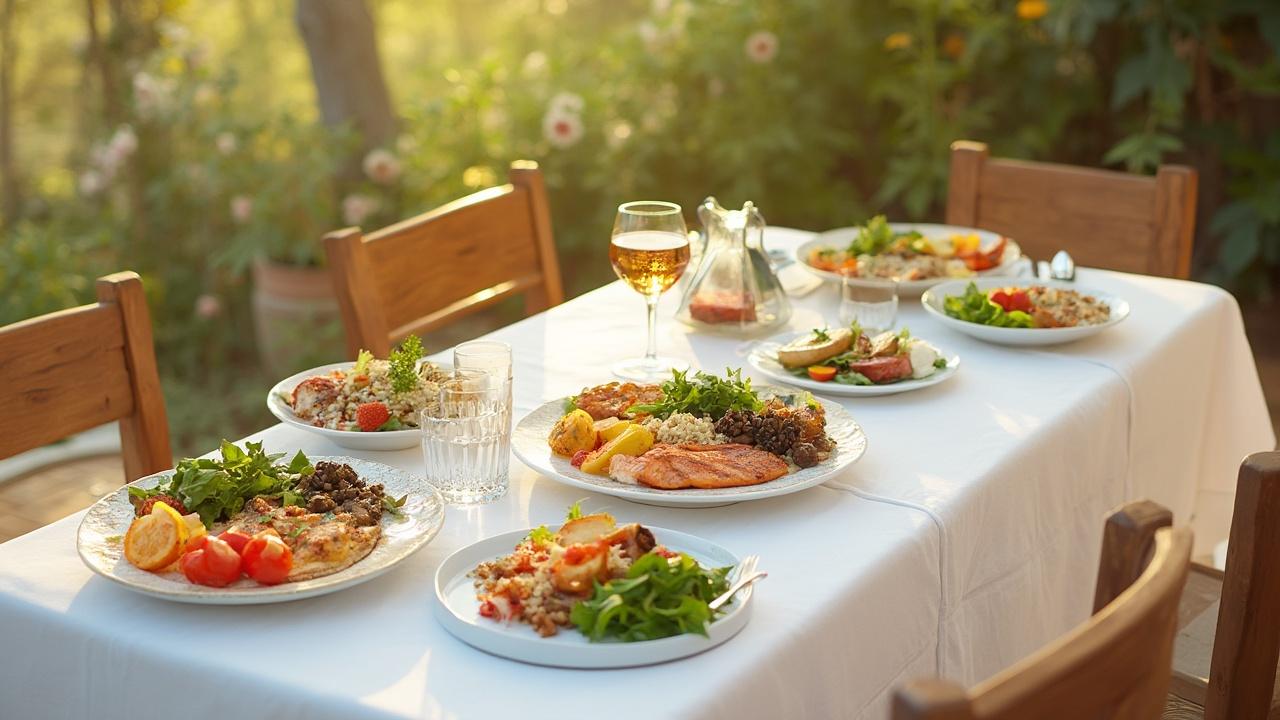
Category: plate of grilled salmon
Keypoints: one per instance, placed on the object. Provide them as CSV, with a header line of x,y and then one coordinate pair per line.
x,y
696,440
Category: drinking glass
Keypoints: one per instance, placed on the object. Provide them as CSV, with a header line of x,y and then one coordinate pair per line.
x,y
466,438
493,357
872,302
649,250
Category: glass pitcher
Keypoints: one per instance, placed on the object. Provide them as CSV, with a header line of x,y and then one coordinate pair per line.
x,y
734,290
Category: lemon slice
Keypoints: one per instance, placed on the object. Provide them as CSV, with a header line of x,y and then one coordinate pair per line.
x,y
156,540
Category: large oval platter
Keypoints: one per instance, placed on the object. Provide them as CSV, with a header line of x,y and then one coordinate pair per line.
x,y
458,611
350,439
764,357
99,543
840,237
529,442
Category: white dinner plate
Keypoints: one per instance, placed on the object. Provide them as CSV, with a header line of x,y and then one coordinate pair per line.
x,y
764,357
840,237
934,297
529,442
458,611
353,440
99,542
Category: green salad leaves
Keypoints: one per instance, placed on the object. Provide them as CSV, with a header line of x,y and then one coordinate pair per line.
x,y
658,598
875,237
976,307
705,394
218,489
403,363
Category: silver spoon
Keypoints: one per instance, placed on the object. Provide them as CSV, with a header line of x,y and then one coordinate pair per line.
x,y
1062,267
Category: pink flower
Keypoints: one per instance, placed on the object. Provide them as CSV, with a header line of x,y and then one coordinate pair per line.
x,y
355,208
208,306
241,208
381,166
226,143
562,129
123,143
151,95
761,46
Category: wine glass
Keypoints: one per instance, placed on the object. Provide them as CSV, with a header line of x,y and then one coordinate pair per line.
x,y
649,250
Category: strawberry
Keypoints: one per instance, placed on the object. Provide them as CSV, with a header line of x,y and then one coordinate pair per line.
x,y
371,415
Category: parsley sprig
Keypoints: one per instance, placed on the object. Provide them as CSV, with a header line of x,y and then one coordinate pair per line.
x,y
705,395
403,364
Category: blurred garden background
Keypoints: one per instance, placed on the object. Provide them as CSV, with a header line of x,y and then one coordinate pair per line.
x,y
209,144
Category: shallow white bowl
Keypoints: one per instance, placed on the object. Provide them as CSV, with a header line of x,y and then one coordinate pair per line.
x,y
458,611
933,299
840,238
389,440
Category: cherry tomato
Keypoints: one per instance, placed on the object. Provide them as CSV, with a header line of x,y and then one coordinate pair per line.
x,y
822,373
210,561
579,457
1002,299
1019,300
267,559
236,539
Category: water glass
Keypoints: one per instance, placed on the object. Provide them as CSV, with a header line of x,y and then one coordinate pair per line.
x,y
466,438
489,356
872,302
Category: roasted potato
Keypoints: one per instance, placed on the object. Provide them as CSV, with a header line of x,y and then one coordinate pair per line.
x,y
634,441
587,528
571,433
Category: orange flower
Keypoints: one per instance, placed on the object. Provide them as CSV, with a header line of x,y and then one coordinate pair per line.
x,y
1032,9
897,41
953,46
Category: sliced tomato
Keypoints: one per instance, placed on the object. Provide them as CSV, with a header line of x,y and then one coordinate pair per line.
x,y
1002,299
267,559
1019,300
822,373
211,561
236,539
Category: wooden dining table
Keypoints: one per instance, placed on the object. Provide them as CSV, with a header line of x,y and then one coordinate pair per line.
x,y
965,537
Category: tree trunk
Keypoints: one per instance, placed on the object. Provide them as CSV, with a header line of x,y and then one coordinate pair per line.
x,y
98,60
350,88
10,195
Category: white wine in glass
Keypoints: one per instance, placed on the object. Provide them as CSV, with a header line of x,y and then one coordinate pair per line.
x,y
649,251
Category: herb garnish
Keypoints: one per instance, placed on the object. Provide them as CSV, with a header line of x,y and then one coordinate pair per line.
x,y
362,362
574,512
821,335
393,505
219,488
704,395
403,363
659,598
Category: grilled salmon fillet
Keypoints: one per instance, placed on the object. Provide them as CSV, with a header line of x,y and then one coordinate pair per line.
x,y
672,467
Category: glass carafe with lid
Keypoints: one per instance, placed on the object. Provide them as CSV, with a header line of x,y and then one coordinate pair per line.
x,y
734,290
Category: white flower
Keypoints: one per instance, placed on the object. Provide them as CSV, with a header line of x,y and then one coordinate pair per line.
x,y
562,129
91,183
381,166
355,208
226,143
124,142
534,63
761,46
617,133
208,306
566,102
241,208
151,95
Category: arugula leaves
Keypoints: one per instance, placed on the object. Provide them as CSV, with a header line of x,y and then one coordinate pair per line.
x,y
704,395
218,489
658,598
876,237
403,363
976,307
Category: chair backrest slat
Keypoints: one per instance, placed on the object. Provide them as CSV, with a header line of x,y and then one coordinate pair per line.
x,y
1114,666
79,368
1246,645
1104,218
427,271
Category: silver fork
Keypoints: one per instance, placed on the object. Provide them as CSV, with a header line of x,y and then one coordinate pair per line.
x,y
747,575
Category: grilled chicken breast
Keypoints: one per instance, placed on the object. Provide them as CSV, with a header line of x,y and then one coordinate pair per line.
x,y
322,544
672,467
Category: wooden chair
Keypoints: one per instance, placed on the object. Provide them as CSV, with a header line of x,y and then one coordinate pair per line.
x,y
1115,665
1227,670
79,368
1105,219
431,270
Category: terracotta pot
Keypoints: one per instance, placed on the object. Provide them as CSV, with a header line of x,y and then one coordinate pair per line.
x,y
296,318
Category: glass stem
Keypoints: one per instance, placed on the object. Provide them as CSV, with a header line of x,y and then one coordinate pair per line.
x,y
651,304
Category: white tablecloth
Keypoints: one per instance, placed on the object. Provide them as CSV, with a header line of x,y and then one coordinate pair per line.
x,y
966,537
